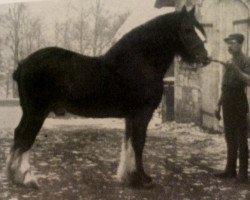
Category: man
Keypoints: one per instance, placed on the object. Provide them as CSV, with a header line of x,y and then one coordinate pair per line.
x,y
234,104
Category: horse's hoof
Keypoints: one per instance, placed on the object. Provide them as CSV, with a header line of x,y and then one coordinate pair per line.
x,y
32,184
27,180
146,178
9,174
141,185
30,181
149,185
139,180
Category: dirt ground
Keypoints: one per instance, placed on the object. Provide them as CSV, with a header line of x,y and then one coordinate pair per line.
x,y
76,161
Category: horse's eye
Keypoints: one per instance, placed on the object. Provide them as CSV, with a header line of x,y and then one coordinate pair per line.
x,y
188,30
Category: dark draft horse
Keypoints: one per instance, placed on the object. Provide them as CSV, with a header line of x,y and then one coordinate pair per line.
x,y
126,82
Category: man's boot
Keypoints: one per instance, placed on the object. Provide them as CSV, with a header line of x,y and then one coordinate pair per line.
x,y
224,175
242,175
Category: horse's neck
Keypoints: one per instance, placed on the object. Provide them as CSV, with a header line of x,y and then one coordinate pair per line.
x,y
160,59
162,64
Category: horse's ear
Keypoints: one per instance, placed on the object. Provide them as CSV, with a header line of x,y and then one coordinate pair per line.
x,y
184,9
192,11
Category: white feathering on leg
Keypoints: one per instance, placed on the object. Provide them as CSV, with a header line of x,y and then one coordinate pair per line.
x,y
18,169
127,161
25,165
15,161
9,161
28,177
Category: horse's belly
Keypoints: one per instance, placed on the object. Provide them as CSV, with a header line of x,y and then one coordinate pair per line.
x,y
97,111
95,106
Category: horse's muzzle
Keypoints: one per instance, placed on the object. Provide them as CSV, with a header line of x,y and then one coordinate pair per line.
x,y
203,61
206,61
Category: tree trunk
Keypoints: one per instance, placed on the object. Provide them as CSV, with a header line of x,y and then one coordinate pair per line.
x,y
98,4
16,57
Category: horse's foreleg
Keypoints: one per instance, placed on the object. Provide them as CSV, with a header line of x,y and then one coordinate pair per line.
x,y
131,170
18,166
127,158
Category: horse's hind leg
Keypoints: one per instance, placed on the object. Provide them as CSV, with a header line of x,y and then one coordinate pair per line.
x,y
131,170
18,166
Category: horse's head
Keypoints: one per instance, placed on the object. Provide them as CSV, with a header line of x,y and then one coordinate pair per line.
x,y
192,43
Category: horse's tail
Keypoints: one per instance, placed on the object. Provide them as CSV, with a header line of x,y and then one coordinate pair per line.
x,y
17,72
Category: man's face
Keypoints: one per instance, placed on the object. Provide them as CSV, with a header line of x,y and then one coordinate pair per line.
x,y
234,47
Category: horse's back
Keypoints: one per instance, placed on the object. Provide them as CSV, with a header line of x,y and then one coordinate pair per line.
x,y
64,79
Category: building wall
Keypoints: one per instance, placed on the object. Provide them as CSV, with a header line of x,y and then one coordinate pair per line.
x,y
187,94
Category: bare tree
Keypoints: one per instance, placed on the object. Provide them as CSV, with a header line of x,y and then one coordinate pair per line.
x,y
31,36
63,30
14,20
66,34
107,35
105,27
91,32
57,33
81,31
1,56
24,34
63,36
97,14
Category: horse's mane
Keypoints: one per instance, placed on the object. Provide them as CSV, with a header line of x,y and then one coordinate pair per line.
x,y
163,24
159,21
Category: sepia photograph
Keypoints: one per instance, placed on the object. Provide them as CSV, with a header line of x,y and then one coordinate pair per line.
x,y
129,100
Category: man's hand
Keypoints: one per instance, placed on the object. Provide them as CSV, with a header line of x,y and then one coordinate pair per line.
x,y
217,113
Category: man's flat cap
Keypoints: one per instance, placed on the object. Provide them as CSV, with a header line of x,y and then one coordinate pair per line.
x,y
235,36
